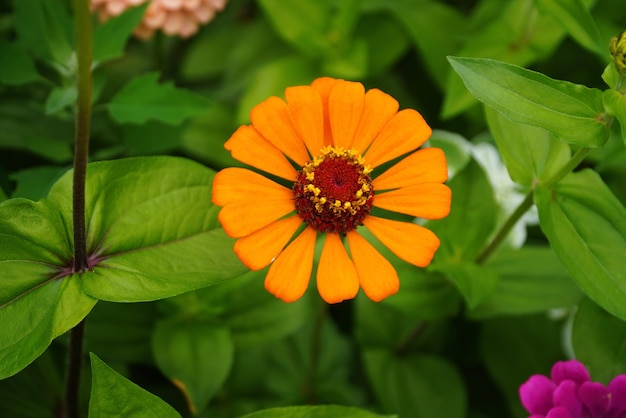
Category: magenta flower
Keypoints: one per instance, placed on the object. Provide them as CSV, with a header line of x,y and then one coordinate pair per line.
x,y
570,393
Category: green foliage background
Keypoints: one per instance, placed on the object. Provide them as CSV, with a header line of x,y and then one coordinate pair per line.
x,y
176,326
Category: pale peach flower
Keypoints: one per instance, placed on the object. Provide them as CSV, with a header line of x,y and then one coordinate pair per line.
x,y
173,17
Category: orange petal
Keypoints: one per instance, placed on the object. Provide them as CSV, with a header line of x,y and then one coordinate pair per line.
x,y
336,276
426,200
243,218
405,132
289,275
235,184
248,146
260,248
345,106
323,85
377,276
412,243
427,165
378,109
307,111
273,120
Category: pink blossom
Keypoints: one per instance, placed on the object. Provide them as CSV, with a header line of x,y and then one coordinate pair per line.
x,y
570,393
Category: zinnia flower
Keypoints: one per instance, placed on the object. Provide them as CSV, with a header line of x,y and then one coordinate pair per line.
x,y
570,393
326,142
173,17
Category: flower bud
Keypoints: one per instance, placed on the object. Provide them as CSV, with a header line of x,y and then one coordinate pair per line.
x,y
618,52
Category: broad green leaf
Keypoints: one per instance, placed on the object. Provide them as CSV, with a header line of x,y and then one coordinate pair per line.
x,y
424,20
577,20
40,25
586,227
303,23
37,303
599,341
17,67
570,111
472,211
195,355
513,349
512,31
416,385
112,395
152,229
151,138
615,105
152,233
3,195
324,411
530,154
474,282
143,99
109,38
532,279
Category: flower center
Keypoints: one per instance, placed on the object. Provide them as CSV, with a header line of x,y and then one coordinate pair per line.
x,y
334,193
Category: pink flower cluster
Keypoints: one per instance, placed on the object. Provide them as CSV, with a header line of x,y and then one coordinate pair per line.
x,y
570,393
174,17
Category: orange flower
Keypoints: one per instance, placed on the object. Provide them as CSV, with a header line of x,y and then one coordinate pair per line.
x,y
327,140
173,17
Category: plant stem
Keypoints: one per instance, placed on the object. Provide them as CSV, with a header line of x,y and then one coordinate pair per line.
x,y
528,202
83,30
404,346
74,366
82,20
506,228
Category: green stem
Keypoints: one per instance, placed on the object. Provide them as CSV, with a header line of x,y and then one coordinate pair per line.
x,y
82,20
526,204
404,346
506,228
74,366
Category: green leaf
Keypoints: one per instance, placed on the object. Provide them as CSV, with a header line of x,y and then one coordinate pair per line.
x,y
532,279
615,105
586,226
109,38
577,20
474,282
416,385
152,232
143,99
151,228
41,25
599,341
570,111
17,67
472,212
513,349
386,41
196,356
114,396
37,303
530,154
35,183
303,23
325,411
